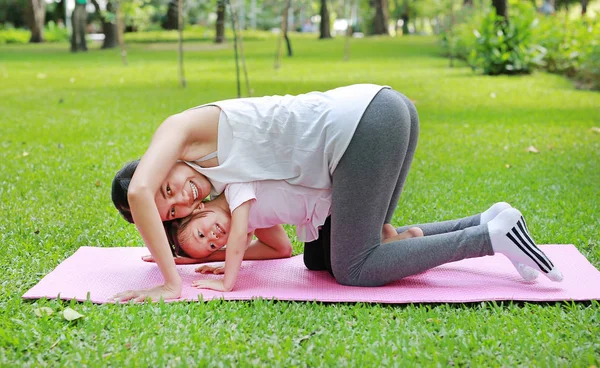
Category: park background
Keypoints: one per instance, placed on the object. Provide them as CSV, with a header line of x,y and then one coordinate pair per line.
x,y
509,108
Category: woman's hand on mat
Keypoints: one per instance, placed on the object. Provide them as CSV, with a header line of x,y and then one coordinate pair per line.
x,y
217,270
155,294
178,260
217,285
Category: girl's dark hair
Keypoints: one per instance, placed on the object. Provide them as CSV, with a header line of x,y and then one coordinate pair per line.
x,y
172,228
120,185
175,228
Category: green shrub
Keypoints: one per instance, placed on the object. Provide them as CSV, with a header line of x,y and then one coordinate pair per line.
x,y
459,39
571,48
192,33
52,33
14,35
507,47
588,75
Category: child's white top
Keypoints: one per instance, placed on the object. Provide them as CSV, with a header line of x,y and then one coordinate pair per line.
x,y
299,139
277,202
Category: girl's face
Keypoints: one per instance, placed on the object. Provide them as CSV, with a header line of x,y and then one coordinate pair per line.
x,y
182,191
207,232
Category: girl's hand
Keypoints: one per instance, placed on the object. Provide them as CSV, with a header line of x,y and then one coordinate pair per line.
x,y
155,294
217,285
217,270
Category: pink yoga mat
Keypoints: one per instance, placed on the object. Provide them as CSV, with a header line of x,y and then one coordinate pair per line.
x,y
103,272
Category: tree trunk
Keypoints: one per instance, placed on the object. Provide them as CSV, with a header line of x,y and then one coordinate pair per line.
x,y
220,31
171,20
36,18
180,32
380,21
120,22
405,18
584,5
109,29
501,8
467,2
325,27
285,28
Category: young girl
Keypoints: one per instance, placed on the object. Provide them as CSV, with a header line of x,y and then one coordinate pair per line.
x,y
200,237
358,141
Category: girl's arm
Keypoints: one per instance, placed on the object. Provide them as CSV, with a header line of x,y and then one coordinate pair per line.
x,y
272,243
169,144
234,253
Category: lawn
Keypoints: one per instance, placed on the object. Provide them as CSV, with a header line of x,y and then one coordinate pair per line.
x,y
69,121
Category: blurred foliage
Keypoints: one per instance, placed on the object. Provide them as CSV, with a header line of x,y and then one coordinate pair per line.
x,y
190,33
11,13
506,47
528,41
52,33
571,47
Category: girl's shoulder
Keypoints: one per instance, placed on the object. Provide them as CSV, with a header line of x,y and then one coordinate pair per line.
x,y
239,193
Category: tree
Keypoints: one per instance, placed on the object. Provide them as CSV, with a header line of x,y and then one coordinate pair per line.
x,y
286,26
220,31
109,24
171,20
584,5
405,18
501,8
325,26
180,32
380,20
36,16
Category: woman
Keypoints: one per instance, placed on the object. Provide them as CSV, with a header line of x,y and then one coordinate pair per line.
x,y
357,140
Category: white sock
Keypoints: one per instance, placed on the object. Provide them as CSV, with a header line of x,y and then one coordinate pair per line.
x,y
526,272
510,236
493,211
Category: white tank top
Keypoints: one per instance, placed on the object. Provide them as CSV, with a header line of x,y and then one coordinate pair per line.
x,y
299,139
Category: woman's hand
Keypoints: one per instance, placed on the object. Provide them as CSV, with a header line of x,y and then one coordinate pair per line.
x,y
155,294
216,270
217,285
178,260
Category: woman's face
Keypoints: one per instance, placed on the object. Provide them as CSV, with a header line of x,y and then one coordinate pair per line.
x,y
207,232
182,191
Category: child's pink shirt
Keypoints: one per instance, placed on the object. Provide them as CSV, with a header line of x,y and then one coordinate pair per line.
x,y
276,202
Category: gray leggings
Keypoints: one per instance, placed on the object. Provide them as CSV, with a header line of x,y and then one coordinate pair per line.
x,y
366,186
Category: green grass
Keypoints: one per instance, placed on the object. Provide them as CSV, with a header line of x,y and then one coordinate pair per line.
x,y
69,121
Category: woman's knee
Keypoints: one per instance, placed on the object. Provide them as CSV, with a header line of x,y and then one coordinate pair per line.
x,y
347,279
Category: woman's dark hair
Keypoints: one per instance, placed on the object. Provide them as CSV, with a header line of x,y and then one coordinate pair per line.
x,y
120,185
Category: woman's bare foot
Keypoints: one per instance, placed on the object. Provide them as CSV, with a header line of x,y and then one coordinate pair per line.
x,y
412,232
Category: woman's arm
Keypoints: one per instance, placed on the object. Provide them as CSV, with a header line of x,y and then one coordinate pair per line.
x,y
234,253
169,144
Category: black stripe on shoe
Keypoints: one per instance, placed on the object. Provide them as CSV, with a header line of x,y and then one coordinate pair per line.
x,y
525,224
532,243
525,249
